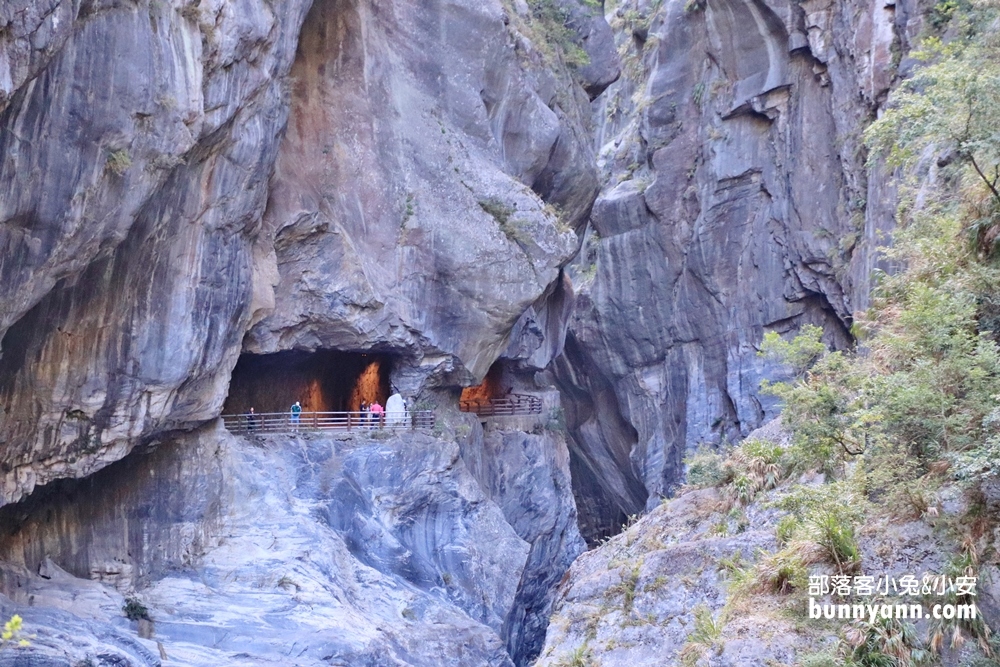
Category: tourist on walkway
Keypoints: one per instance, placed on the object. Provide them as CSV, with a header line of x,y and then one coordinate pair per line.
x,y
296,413
251,421
377,412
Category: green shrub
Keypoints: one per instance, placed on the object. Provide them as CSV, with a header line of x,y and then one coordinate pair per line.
x,y
12,629
135,610
118,162
552,23
824,517
836,536
705,468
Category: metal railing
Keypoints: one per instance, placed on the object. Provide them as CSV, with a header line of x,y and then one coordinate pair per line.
x,y
512,404
285,422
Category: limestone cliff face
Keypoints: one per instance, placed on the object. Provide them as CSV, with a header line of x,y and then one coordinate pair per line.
x,y
184,182
735,201
154,207
350,550
138,142
412,203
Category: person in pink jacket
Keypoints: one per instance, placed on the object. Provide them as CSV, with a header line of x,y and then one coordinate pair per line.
x,y
377,412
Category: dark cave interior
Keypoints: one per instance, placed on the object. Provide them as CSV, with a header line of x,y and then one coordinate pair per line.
x,y
322,381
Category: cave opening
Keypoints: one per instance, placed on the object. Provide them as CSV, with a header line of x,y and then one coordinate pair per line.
x,y
492,386
322,381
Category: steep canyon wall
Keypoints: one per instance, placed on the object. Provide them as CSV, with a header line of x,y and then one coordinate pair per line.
x,y
424,195
185,182
736,200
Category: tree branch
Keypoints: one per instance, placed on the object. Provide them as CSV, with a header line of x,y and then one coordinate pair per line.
x,y
848,450
991,185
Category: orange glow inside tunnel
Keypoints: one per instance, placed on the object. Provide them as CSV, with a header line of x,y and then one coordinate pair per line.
x,y
322,381
491,386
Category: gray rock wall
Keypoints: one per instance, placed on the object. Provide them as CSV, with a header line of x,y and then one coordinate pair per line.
x,y
155,207
527,475
128,265
183,182
411,207
390,550
735,201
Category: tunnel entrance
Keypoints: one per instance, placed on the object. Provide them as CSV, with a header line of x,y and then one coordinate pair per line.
x,y
495,396
491,387
322,381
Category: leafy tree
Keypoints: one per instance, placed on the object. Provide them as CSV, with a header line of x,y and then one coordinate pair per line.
x,y
925,381
824,405
946,111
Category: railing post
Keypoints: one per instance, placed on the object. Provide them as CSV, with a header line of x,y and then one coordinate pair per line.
x,y
348,421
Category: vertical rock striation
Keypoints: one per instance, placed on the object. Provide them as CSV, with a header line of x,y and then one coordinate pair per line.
x,y
527,475
736,201
424,196
184,182
128,259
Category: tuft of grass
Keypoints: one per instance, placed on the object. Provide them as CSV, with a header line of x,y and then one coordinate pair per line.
x,y
784,571
963,564
819,660
580,657
496,208
118,162
626,588
755,466
786,529
703,638
886,642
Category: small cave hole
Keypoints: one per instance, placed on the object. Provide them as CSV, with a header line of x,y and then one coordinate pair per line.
x,y
322,381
